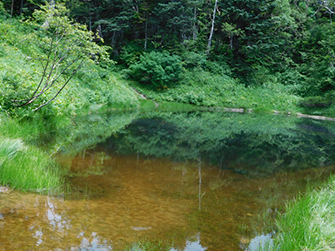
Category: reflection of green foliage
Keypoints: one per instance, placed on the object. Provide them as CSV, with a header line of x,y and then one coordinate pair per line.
x,y
151,136
95,167
80,133
215,184
246,142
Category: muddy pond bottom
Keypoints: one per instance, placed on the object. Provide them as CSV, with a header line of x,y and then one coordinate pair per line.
x,y
117,201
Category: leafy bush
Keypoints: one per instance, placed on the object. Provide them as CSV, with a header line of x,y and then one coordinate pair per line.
x,y
221,68
158,69
130,53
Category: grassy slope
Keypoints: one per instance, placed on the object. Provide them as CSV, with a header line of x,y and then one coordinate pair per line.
x,y
91,88
204,88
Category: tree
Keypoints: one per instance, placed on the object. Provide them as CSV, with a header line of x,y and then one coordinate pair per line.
x,y
65,47
212,29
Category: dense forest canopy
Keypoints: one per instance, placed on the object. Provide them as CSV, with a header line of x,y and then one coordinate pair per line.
x,y
290,42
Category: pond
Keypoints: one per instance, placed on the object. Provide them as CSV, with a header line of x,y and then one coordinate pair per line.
x,y
190,180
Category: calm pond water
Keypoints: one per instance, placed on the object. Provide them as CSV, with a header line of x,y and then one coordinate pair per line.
x,y
195,180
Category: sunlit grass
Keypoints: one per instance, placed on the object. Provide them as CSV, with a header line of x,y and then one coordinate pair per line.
x,y
26,168
149,246
23,166
92,88
201,88
309,222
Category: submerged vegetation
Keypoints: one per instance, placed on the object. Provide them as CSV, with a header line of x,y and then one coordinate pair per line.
x,y
149,246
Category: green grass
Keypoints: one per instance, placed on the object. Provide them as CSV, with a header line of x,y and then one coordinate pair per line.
x,y
26,168
309,222
202,88
23,166
149,246
149,105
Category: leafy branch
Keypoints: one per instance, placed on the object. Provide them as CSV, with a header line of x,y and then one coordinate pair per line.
x,y
66,46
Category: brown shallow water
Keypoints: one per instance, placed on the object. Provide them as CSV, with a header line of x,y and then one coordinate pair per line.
x,y
120,200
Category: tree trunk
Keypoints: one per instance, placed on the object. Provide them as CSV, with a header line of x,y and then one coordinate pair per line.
x,y
146,34
212,29
21,9
90,20
11,9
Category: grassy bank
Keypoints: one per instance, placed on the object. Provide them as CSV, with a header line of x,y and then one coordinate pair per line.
x,y
308,222
203,88
23,166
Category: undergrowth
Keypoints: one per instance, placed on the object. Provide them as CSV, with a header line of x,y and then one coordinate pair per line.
x,y
202,88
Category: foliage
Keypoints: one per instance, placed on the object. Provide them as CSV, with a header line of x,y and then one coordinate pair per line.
x,y
149,246
193,60
3,13
23,166
258,43
130,53
159,69
19,73
65,46
308,222
199,87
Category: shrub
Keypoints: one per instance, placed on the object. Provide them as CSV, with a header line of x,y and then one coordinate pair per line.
x,y
158,69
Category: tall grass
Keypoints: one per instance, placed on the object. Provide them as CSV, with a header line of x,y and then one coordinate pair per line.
x,y
26,168
23,166
309,221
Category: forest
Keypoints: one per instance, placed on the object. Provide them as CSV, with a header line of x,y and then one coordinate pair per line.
x,y
261,55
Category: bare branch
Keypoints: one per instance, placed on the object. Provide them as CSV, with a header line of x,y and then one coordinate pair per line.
x,y
42,78
74,72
